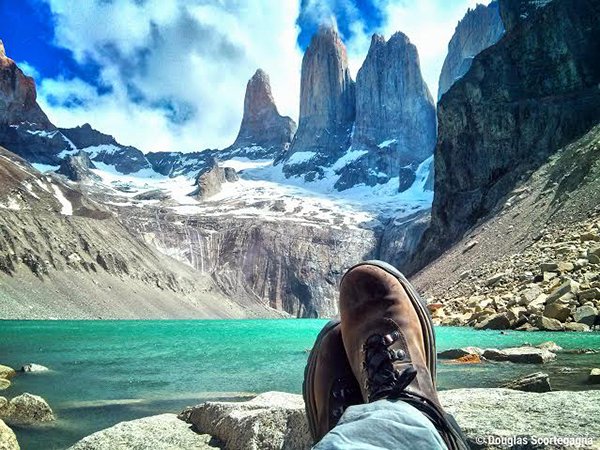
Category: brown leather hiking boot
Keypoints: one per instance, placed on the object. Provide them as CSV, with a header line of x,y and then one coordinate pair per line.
x,y
329,385
389,340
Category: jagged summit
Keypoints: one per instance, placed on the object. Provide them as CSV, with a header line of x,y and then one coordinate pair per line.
x,y
395,126
327,90
18,96
479,29
262,125
327,107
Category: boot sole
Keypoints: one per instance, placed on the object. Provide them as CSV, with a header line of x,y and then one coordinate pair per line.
x,y
309,373
420,307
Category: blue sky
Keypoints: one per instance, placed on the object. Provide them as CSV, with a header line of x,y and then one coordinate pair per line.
x,y
178,68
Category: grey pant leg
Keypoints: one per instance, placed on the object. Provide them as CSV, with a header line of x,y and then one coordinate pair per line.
x,y
384,424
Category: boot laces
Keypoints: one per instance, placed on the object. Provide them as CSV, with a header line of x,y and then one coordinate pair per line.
x,y
383,380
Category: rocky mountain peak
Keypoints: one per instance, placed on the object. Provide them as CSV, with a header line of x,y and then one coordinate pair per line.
x,y
18,96
327,107
395,115
479,29
262,125
259,99
327,90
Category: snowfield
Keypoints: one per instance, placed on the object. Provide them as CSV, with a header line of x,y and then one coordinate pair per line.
x,y
263,191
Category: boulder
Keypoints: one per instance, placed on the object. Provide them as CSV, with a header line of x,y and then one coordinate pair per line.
x,y
455,353
4,384
574,326
529,295
467,359
549,267
535,382
27,409
162,432
7,372
273,420
34,368
594,377
8,440
558,310
500,321
546,323
568,287
495,279
486,415
3,402
586,315
524,355
550,346
590,294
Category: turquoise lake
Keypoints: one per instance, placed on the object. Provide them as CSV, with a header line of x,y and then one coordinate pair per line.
x,y
104,372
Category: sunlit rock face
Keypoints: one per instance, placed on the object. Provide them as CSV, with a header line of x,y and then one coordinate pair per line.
x,y
395,126
327,108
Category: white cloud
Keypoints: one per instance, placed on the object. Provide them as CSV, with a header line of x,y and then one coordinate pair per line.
x,y
186,64
28,69
429,24
190,60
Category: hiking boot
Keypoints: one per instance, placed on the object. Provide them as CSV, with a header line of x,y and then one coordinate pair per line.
x,y
389,341
329,385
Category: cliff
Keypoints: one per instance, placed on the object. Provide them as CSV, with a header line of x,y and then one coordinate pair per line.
x,y
531,93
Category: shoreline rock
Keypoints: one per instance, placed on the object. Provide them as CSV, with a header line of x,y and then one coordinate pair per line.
x,y
535,382
8,440
276,420
27,409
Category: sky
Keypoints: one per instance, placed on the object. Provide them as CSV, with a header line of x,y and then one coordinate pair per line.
x,y
170,75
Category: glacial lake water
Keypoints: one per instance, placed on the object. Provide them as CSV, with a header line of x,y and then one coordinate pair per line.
x,y
105,372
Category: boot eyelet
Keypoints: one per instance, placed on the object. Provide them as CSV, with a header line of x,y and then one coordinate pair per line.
x,y
398,355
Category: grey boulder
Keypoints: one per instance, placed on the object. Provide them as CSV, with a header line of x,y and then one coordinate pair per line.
x,y
162,432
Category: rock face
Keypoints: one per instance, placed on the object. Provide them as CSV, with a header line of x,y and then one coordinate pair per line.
x,y
515,11
162,432
262,126
290,266
327,107
531,93
8,440
395,115
277,421
481,28
18,96
103,148
27,409
55,241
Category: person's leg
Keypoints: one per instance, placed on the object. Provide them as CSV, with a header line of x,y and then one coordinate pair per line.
x,y
384,348
390,345
380,425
